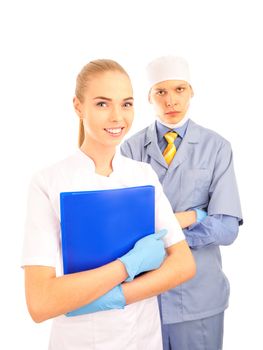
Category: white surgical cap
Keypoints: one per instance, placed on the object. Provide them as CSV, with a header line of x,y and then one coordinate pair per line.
x,y
167,68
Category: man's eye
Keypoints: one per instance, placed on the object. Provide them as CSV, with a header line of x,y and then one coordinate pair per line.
x,y
160,92
180,89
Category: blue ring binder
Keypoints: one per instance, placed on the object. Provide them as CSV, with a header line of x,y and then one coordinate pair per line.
x,y
98,227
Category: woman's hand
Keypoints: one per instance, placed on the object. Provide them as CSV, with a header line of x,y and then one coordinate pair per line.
x,y
147,254
114,299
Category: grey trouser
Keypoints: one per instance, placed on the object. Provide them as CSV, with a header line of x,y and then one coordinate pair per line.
x,y
203,334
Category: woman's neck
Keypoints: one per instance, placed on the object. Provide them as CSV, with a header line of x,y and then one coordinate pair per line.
x,y
101,156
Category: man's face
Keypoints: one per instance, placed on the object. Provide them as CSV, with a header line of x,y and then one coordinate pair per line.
x,y
171,99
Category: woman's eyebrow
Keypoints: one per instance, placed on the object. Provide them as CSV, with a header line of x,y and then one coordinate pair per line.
x,y
102,98
109,99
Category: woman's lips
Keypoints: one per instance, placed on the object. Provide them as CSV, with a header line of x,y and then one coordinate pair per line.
x,y
114,131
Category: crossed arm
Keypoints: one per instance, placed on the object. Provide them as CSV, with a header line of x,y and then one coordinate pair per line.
x,y
178,267
186,218
49,296
212,229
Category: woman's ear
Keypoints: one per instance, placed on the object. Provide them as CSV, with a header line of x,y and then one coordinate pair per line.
x,y
77,106
192,91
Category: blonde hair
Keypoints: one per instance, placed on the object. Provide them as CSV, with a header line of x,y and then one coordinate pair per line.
x,y
89,70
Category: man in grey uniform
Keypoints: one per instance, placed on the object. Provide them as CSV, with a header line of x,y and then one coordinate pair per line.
x,y
195,167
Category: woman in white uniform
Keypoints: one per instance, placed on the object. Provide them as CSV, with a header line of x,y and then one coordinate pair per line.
x,y
128,317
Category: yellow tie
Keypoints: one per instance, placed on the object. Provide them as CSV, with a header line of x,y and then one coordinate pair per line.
x,y
170,149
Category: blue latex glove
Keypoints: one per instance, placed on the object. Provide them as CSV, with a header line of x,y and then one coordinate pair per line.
x,y
147,254
114,299
200,214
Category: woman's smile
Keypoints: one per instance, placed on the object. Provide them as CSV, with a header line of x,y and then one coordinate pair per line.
x,y
114,131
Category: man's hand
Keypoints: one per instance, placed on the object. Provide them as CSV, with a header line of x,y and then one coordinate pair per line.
x,y
187,218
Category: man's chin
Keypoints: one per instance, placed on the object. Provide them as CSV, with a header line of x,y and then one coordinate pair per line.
x,y
172,119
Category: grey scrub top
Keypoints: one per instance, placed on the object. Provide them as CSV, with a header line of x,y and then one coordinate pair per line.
x,y
201,175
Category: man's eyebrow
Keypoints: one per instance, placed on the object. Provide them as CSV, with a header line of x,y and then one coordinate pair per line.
x,y
175,86
128,98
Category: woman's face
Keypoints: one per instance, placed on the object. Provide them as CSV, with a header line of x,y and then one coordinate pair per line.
x,y
171,100
107,110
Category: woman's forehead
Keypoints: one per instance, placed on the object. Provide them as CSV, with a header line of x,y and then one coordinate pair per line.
x,y
111,85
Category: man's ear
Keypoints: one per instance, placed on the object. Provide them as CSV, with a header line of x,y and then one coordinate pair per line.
x,y
149,97
77,106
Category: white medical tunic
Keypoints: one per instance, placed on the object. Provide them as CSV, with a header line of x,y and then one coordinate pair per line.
x,y
135,327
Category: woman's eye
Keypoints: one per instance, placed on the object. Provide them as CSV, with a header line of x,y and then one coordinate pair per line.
x,y
128,104
160,92
101,104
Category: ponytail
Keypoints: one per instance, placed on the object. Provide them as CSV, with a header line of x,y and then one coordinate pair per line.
x,y
81,132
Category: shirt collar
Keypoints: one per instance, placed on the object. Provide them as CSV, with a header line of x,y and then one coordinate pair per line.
x,y
88,163
162,130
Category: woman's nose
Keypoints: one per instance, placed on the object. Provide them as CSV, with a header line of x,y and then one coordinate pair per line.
x,y
116,114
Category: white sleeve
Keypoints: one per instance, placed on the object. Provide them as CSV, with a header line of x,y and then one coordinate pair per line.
x,y
42,227
164,215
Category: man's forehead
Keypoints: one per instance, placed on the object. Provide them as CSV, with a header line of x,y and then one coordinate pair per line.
x,y
169,83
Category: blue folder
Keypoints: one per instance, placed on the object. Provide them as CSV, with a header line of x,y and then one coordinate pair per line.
x,y
98,227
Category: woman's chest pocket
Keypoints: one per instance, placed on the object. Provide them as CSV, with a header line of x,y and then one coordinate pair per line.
x,y
195,185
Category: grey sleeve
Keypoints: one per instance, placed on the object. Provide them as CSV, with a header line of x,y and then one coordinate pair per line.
x,y
224,197
214,229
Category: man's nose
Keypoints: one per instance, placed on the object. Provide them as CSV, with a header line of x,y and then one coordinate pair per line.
x,y
171,101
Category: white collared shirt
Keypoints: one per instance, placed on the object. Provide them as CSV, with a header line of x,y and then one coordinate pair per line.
x,y
136,326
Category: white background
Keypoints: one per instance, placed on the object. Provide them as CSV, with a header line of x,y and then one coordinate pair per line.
x,y
44,44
